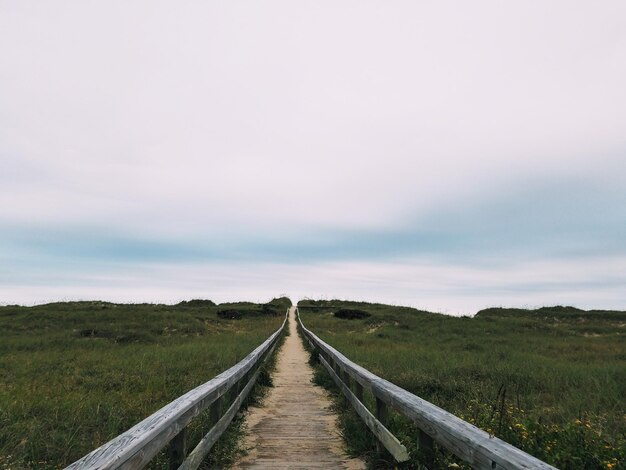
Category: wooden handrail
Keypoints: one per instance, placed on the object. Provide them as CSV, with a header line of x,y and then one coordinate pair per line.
x,y
466,441
136,447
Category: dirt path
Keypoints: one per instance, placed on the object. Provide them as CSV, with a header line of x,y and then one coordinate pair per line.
x,y
294,428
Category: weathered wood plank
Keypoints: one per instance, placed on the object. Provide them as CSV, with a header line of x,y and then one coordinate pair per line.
x,y
137,446
387,439
295,427
471,444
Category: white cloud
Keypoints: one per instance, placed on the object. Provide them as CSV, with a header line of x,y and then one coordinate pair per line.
x,y
252,119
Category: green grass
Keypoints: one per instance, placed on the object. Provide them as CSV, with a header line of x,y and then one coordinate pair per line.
x,y
74,375
551,381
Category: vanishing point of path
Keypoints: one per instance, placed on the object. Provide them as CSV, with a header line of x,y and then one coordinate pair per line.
x,y
294,427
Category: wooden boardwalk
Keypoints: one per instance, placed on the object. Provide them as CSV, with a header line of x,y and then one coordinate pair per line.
x,y
294,427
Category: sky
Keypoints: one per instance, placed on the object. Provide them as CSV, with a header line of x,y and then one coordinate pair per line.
x,y
450,156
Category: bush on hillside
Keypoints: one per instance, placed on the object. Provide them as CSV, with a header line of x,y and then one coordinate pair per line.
x,y
196,303
351,314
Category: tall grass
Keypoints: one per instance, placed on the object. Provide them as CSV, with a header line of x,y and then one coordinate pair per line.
x,y
75,375
550,381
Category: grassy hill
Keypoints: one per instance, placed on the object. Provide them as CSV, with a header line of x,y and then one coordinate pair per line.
x,y
551,381
73,375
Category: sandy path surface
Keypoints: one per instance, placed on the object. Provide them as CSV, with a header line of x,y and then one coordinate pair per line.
x,y
295,427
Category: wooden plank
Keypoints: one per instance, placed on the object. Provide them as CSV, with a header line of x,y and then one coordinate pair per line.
x,y
137,446
471,444
387,439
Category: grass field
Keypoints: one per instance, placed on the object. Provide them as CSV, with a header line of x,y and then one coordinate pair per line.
x,y
550,381
74,375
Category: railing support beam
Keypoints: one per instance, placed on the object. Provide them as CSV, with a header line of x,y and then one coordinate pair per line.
x,y
426,447
358,391
215,412
178,449
382,415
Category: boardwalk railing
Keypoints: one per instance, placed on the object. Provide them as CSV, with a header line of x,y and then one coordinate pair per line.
x,y
137,446
435,425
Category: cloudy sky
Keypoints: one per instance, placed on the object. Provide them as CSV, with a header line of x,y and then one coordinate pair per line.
x,y
443,155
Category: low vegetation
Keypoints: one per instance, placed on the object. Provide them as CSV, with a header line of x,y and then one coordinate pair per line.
x,y
550,381
74,375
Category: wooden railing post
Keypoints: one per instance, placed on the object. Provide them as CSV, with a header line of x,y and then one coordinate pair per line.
x,y
425,445
216,411
234,392
178,449
382,415
346,378
358,391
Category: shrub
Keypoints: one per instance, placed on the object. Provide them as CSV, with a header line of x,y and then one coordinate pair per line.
x,y
196,303
351,314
